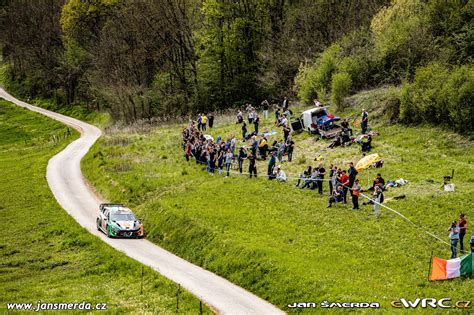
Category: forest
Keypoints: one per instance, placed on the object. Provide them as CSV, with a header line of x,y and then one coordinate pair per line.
x,y
139,59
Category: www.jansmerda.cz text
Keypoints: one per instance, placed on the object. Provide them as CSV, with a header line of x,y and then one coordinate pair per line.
x,y
45,306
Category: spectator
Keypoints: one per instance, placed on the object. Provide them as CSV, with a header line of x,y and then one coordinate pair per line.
x,y
187,150
280,150
364,122
281,176
252,165
345,127
290,146
271,165
306,174
240,117
378,200
212,159
285,104
311,181
462,231
344,180
378,181
240,158
283,121
265,106
472,243
352,174
320,178
250,115
263,147
336,142
454,238
355,195
367,145
244,131
228,161
210,118
277,116
332,173
254,146
317,103
199,121
221,158
203,122
256,123
286,132
336,196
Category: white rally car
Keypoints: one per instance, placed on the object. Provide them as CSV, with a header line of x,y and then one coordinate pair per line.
x,y
115,220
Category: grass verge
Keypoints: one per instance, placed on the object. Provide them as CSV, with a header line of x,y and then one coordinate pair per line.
x,y
45,254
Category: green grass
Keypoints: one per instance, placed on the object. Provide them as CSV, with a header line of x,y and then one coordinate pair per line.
x,y
45,254
282,243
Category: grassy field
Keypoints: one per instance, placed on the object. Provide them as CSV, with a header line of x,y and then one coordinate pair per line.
x,y
45,254
281,242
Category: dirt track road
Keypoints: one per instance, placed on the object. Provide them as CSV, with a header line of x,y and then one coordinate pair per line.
x,y
66,181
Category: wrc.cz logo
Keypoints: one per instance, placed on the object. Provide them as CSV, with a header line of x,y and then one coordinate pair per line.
x,y
430,302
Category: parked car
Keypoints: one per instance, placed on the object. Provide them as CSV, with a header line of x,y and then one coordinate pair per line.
x,y
115,220
318,121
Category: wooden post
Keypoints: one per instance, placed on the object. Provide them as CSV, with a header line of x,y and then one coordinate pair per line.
x,y
177,299
431,262
141,287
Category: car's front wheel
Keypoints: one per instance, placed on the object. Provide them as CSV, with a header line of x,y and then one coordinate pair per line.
x,y
98,224
109,231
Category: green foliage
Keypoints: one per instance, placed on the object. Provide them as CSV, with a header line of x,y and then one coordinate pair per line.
x,y
49,256
315,81
440,95
340,87
140,59
228,42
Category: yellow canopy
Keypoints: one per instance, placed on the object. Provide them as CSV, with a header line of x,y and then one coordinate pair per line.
x,y
366,161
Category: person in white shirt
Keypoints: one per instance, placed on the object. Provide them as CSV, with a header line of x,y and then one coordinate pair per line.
x,y
281,176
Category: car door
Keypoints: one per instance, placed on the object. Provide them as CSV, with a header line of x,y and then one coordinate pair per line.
x,y
105,216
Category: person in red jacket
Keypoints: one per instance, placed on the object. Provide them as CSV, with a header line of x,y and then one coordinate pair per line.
x,y
345,184
462,230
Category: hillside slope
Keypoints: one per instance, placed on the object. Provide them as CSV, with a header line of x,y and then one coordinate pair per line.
x,y
281,242
48,257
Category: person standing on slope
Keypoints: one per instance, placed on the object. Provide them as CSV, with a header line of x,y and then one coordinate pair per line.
x,y
364,122
454,238
355,195
462,231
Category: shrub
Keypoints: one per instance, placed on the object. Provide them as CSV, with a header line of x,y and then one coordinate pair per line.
x,y
315,81
341,85
440,95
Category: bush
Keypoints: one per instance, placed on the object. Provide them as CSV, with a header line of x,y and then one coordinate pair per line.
x,y
315,81
440,95
341,85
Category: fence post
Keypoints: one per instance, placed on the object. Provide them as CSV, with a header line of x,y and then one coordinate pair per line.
x,y
177,299
141,287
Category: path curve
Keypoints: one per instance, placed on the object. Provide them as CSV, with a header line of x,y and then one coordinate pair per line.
x,y
67,183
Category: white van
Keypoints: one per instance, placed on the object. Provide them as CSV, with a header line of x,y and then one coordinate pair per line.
x,y
308,121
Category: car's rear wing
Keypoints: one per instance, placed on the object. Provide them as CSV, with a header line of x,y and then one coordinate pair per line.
x,y
105,205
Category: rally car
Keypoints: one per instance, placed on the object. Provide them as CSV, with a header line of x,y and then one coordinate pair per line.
x,y
115,220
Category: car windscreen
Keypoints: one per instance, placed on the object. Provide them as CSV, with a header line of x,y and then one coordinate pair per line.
x,y
122,217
